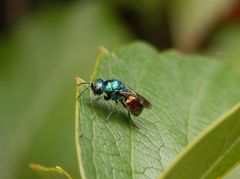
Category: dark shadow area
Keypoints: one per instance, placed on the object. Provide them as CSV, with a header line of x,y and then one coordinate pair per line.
x,y
155,30
119,113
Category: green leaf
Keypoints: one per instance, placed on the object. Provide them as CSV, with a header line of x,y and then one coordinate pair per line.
x,y
42,57
233,173
225,45
187,93
50,172
213,152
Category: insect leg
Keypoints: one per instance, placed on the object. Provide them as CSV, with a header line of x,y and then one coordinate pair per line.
x,y
116,104
129,115
112,111
98,98
78,98
131,121
123,104
90,101
107,97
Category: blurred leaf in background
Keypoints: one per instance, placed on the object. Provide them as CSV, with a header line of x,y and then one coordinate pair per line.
x,y
50,172
146,18
191,21
225,44
40,60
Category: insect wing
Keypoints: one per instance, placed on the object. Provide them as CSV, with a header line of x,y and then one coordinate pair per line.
x,y
139,98
143,101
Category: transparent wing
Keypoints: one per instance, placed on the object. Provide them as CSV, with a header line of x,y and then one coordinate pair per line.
x,y
140,98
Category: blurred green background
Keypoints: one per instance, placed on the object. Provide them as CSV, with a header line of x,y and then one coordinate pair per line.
x,y
45,44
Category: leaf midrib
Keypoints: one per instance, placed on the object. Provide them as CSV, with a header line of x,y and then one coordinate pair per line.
x,y
218,160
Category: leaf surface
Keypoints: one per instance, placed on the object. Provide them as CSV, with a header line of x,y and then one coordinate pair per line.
x,y
213,152
187,93
41,58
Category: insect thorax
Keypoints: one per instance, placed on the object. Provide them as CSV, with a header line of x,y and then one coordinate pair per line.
x,y
111,88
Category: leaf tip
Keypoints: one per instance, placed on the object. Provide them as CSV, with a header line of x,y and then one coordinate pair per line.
x,y
101,49
78,80
33,165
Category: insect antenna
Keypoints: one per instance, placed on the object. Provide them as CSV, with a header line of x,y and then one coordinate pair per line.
x,y
82,83
90,84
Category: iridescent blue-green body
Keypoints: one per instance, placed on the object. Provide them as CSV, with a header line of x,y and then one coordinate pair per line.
x,y
110,88
116,90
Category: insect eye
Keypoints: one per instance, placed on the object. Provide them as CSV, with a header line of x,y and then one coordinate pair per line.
x,y
98,87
